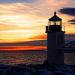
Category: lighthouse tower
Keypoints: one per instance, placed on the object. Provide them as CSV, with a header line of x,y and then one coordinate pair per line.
x,y
55,40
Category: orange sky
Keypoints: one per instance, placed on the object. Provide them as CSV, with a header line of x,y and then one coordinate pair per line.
x,y
23,21
8,48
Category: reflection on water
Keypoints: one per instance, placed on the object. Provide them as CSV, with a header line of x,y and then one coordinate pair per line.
x,y
22,57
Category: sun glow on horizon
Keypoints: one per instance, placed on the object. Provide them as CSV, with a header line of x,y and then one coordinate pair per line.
x,y
8,48
18,35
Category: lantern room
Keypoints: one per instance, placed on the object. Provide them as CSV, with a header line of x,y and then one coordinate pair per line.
x,y
55,20
54,24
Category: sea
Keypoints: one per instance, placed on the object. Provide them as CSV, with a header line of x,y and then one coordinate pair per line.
x,y
22,57
30,57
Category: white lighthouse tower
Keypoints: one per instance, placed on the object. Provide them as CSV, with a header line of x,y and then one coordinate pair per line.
x,y
55,40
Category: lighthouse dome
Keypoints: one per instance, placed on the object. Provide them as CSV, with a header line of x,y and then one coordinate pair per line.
x,y
55,18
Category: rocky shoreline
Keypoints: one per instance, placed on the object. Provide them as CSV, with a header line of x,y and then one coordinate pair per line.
x,y
37,69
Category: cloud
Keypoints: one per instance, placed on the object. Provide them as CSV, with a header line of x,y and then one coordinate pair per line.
x,y
16,1
70,37
28,43
20,14
72,21
68,11
27,15
16,8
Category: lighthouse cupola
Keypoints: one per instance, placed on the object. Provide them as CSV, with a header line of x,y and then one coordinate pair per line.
x,y
54,24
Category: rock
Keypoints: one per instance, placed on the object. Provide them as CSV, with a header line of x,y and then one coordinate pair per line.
x,y
42,72
37,69
15,71
68,73
2,66
58,73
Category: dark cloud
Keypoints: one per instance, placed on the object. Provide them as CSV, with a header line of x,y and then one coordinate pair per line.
x,y
72,21
28,43
69,37
68,11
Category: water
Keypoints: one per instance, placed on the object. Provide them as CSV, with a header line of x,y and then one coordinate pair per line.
x,y
69,58
22,57
30,57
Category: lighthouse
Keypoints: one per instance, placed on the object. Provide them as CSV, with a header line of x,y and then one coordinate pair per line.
x,y
55,40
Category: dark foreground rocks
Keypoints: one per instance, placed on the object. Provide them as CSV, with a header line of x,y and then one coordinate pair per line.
x,y
38,69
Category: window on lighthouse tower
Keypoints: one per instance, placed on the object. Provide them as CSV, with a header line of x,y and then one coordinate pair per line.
x,y
54,23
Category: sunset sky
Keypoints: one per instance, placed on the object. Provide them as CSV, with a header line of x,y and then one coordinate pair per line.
x,y
22,22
